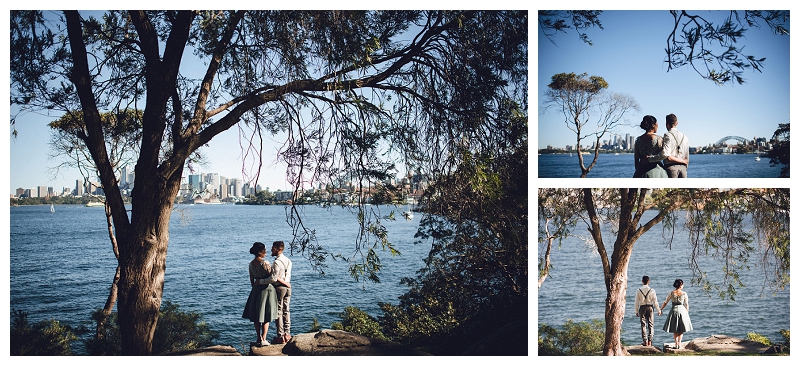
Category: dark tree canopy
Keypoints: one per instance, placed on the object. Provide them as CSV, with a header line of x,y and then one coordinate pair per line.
x,y
553,21
779,155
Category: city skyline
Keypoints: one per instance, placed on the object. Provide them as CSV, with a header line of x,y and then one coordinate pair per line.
x,y
632,62
31,161
615,141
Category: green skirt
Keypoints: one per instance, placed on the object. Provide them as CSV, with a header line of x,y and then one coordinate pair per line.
x,y
262,305
678,320
651,171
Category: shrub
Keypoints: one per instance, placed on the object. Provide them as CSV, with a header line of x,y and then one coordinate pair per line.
x,y
418,323
176,331
357,321
44,338
315,326
179,330
785,334
755,337
108,342
584,338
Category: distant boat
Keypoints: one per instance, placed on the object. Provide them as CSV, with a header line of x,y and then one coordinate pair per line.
x,y
52,209
758,155
408,213
94,204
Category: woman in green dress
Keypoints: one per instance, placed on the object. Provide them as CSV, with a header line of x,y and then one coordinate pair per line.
x,y
262,304
678,321
648,144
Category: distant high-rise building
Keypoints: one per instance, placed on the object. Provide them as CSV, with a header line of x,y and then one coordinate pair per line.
x,y
44,191
213,180
196,182
126,177
237,187
79,188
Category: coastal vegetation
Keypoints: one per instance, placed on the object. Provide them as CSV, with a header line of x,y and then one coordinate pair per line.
x,y
586,339
177,330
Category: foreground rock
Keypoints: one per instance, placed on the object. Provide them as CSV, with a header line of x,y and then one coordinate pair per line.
x,y
643,350
271,350
716,343
670,348
725,343
209,351
329,342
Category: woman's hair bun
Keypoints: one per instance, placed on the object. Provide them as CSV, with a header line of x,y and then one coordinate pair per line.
x,y
647,122
257,248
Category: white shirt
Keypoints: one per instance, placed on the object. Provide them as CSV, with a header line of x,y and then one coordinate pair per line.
x,y
282,269
675,144
641,299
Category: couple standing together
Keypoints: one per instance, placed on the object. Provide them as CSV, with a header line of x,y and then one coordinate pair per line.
x,y
270,292
678,321
655,157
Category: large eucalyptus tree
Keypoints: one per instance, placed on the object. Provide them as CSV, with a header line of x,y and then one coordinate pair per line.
x,y
342,86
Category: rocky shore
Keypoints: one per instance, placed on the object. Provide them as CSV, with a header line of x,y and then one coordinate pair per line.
x,y
717,343
326,342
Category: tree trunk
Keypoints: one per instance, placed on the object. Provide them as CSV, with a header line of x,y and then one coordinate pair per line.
x,y
143,255
615,308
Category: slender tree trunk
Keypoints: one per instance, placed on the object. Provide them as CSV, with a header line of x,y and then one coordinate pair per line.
x,y
546,270
100,331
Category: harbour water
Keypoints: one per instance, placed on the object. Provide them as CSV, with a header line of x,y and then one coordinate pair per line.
x,y
62,264
577,291
621,166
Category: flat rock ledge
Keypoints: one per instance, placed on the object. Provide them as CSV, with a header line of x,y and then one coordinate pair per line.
x,y
328,342
715,342
643,350
726,344
209,351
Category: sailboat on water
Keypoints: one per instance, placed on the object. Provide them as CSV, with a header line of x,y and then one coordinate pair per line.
x,y
52,209
758,154
408,214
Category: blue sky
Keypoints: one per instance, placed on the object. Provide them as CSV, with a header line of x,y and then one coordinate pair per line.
x,y
629,54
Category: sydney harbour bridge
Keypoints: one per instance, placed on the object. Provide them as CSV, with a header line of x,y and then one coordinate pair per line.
x,y
725,139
